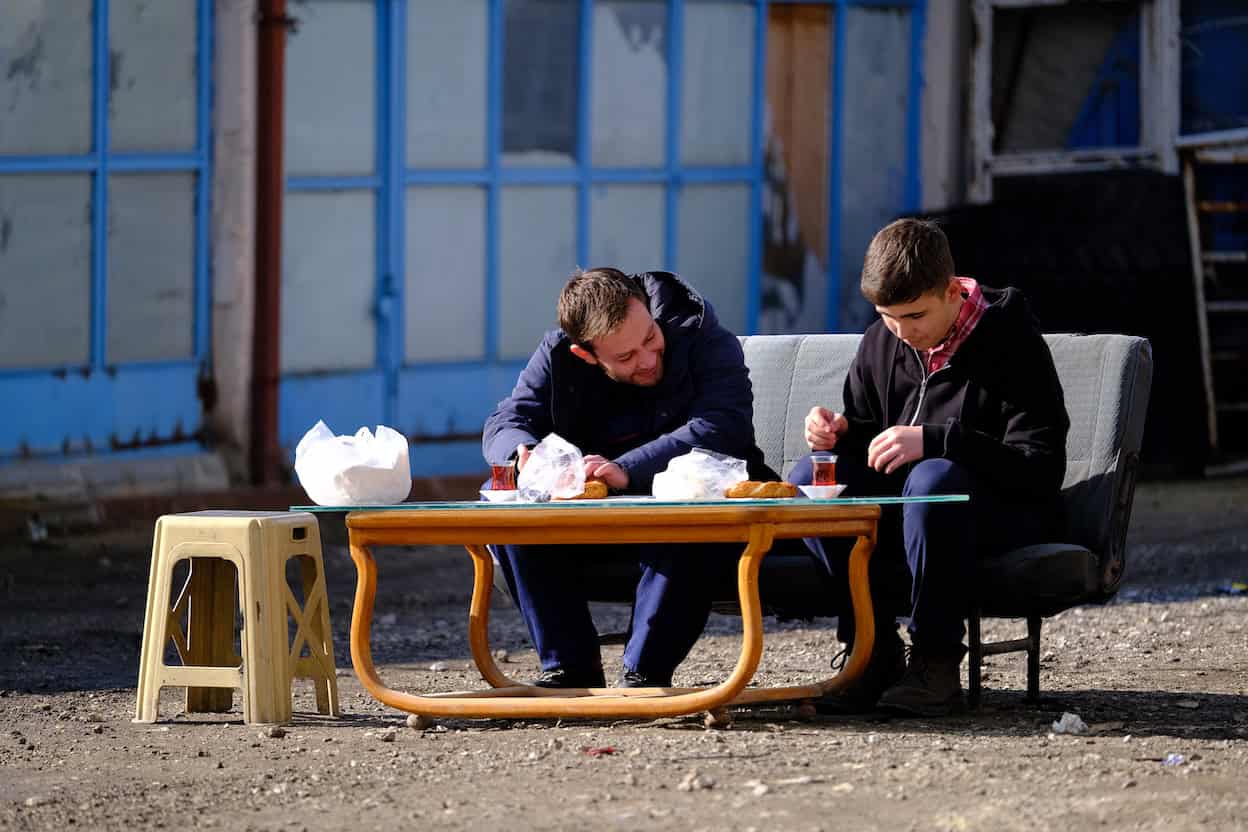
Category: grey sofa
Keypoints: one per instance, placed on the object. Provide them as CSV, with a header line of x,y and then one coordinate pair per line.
x,y
1106,379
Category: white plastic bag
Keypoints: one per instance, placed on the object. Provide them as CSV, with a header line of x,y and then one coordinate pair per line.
x,y
699,475
555,468
364,469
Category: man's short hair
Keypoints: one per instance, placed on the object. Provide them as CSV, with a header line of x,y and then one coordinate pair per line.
x,y
594,303
906,259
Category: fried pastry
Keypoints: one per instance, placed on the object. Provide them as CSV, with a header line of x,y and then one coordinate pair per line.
x,y
594,490
754,489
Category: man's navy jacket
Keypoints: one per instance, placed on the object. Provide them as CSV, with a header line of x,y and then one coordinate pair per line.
x,y
704,399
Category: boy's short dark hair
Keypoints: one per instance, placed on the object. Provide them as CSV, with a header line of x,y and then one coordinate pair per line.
x,y
595,302
906,259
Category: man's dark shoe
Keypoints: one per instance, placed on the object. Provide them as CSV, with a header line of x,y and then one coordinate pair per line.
x,y
635,679
885,669
570,677
932,685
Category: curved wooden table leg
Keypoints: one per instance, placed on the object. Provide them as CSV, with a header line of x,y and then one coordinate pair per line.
x,y
479,617
864,617
864,639
529,702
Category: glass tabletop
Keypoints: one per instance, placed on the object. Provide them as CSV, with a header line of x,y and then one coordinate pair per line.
x,y
637,500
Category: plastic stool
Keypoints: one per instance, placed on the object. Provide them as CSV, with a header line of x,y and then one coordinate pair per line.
x,y
255,546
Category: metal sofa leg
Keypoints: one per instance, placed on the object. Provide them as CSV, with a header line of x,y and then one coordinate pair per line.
x,y
976,657
1033,658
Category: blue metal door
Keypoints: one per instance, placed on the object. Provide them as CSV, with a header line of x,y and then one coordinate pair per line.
x,y
453,162
104,182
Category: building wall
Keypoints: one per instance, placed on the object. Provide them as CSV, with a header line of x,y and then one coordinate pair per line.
x,y
946,68
233,227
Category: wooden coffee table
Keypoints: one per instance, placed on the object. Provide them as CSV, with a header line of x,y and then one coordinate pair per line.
x,y
754,523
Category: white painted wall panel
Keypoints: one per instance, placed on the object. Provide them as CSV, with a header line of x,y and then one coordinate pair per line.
x,y
445,294
714,248
328,281
151,266
45,269
446,83
45,82
330,79
626,227
152,72
537,252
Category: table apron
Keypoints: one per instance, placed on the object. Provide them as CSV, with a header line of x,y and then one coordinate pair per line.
x,y
482,534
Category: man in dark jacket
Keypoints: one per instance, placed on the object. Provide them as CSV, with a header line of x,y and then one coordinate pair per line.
x,y
639,372
953,391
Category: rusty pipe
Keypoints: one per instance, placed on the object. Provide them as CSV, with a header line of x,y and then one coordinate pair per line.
x,y
270,186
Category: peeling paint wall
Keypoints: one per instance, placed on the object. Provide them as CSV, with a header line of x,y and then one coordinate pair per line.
x,y
233,225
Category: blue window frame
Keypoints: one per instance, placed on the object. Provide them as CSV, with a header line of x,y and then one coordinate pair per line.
x,y
119,393
440,402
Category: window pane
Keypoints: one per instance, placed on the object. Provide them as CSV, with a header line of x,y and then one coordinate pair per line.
x,y
152,71
539,82
445,294
626,227
714,248
45,258
151,297
330,71
873,172
537,252
1066,77
719,78
629,98
446,84
328,281
45,88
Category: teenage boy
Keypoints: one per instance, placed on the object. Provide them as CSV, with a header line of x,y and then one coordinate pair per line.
x,y
639,372
952,391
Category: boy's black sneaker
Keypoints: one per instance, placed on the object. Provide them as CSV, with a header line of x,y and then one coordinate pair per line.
x,y
885,669
568,677
635,679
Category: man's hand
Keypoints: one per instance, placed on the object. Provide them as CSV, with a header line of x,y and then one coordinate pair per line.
x,y
895,447
824,428
522,456
600,468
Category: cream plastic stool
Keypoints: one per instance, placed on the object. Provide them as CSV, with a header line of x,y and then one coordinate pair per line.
x,y
255,546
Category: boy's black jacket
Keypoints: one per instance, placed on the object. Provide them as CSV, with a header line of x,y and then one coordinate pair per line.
x,y
996,407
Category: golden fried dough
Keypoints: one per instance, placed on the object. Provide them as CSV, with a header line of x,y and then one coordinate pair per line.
x,y
754,489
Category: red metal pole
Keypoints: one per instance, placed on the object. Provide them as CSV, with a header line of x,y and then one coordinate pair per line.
x,y
270,185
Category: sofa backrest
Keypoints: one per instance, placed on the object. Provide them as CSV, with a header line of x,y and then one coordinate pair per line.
x,y
1106,380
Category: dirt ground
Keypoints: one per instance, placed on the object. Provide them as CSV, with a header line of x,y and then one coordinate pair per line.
x,y
1160,676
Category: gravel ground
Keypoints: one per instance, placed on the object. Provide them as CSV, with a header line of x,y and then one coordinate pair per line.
x,y
1159,676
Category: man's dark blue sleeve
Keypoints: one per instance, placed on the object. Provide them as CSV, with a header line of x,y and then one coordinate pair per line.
x,y
523,418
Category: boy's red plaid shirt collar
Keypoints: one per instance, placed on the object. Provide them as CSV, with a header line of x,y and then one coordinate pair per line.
x,y
973,306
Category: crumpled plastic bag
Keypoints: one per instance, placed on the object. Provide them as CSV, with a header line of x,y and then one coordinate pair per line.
x,y
364,469
1070,724
555,469
699,475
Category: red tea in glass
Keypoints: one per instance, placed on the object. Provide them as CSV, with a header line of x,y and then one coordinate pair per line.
x,y
502,478
823,469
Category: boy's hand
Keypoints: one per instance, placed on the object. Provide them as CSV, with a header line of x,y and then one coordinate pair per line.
x,y
895,447
522,456
600,468
824,428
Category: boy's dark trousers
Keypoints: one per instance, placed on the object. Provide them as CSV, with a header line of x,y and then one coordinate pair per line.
x,y
938,544
672,603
